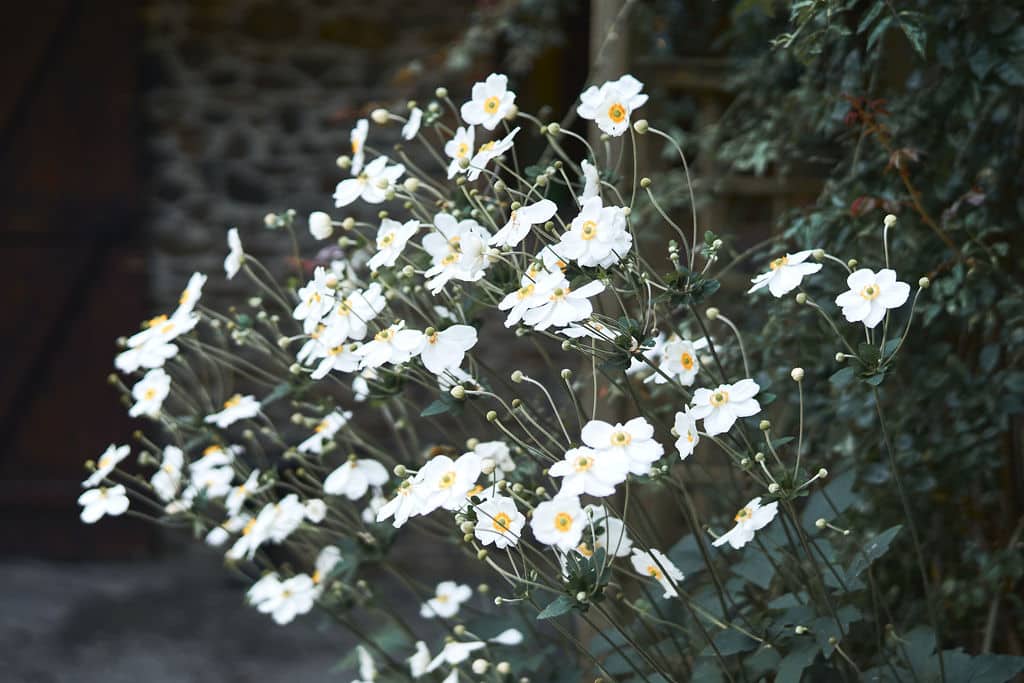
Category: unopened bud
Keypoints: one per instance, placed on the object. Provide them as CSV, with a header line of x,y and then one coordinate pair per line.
x,y
820,523
801,298
581,596
487,465
889,220
711,313
764,425
344,162
773,488
566,374
480,666
481,554
411,185
380,116
554,129
517,376
400,470
641,126
503,668
458,392
797,374
492,415
852,263
822,473
441,93
645,182
924,283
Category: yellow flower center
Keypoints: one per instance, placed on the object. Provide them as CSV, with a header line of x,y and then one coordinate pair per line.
x,y
686,360
870,292
149,394
442,599
153,322
621,438
185,297
563,522
450,258
584,550
486,146
475,491
743,514
491,104
317,577
248,526
589,230
719,398
335,350
167,327
462,150
559,293
617,113
355,146
525,291
322,427
105,462
233,401
584,463
654,571
210,450
779,262
502,522
447,480
384,335
432,339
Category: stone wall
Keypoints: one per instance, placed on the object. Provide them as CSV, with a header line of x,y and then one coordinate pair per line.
x,y
249,102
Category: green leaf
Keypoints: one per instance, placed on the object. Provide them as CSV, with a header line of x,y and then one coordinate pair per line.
x,y
914,32
438,407
842,376
560,605
868,354
730,642
791,668
875,548
279,392
755,567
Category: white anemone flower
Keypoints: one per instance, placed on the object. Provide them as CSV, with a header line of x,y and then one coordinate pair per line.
x,y
236,408
392,237
604,531
358,140
352,314
106,463
685,428
532,294
785,273
564,305
446,349
678,360
611,105
316,300
167,480
448,597
491,102
720,407
325,431
656,565
315,510
103,501
559,522
498,522
454,653
521,221
752,517
235,258
419,661
342,358
150,355
239,494
633,441
871,295
189,296
586,471
367,667
598,236
445,483
326,560
355,477
407,502
412,126
283,600
458,148
591,182
394,345
488,152
498,451
370,185
457,251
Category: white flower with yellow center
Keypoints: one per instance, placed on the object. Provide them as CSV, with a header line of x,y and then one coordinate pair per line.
x,y
239,494
491,102
498,451
532,294
354,478
236,256
685,429
167,480
407,502
498,522
587,471
392,237
150,355
283,600
720,407
352,313
454,653
445,483
104,501
678,360
521,221
559,522
446,349
563,305
752,517
342,358
656,565
371,184
597,237
326,560
357,139
189,297
394,345
448,597
871,295
458,251
488,152
611,105
316,300
460,147
412,126
106,464
591,182
325,431
633,442
149,393
785,273
604,531
221,534
237,407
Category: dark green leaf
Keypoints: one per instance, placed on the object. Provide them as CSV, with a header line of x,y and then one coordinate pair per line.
x,y
560,605
874,549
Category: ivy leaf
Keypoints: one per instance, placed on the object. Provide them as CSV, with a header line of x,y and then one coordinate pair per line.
x,y
556,608
875,548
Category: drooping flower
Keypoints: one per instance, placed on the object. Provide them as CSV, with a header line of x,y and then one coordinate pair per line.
x,y
488,152
326,560
355,477
685,428
498,521
657,565
371,185
454,653
458,148
586,471
498,451
591,182
236,408
521,221
406,503
444,482
564,305
358,140
598,236
446,349
491,102
315,510
532,294
752,517
559,522
167,479
342,358
871,295
633,441
392,237
324,431
236,256
719,408
412,126
785,273
283,600
239,494
448,597
367,667
106,463
611,105
103,501
190,295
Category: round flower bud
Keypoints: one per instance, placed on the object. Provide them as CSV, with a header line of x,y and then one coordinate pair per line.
x,y
463,163
822,473
472,443
270,220
498,600
840,356
626,211
517,376
566,374
487,465
554,129
441,93
467,527
400,470
801,298
481,554
924,283
711,313
320,225
745,462
645,182
566,344
459,629
581,596
852,263
458,392
641,126
889,220
773,488
820,523
348,223
800,630
503,668
818,254
380,116
344,162
513,112
797,374
483,589
764,425
295,369
411,185
492,415
759,457
480,666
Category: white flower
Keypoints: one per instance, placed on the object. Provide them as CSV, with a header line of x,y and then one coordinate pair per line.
x,y
604,531
358,139
586,471
559,522
96,503
633,441
491,102
219,535
315,510
190,295
752,517
532,294
274,523
498,451
373,506
161,329
367,668
785,273
598,236
235,257
685,428
394,344
459,148
679,360
444,482
412,126
611,105
457,251
658,566
106,464
406,503
316,300
720,407
455,653
283,600
328,557
351,315
355,477
239,494
521,221
498,521
488,152
420,660
871,295
325,430
446,601
151,355
591,182
236,408
371,185
564,305
211,481
167,479
391,239
342,358
509,636
446,349
320,225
